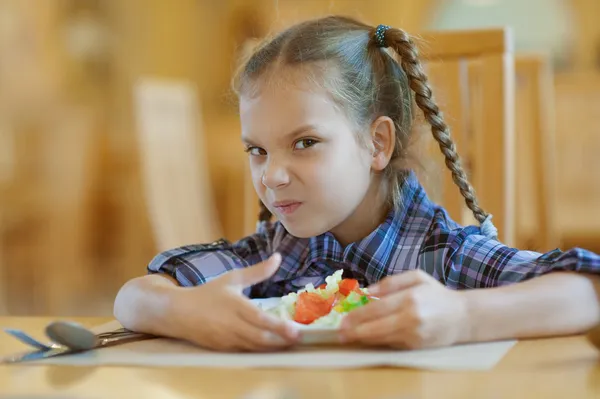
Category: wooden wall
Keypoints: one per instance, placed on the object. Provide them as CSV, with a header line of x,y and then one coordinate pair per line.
x,y
586,54
73,221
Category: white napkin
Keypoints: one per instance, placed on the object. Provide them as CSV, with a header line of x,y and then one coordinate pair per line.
x,y
164,352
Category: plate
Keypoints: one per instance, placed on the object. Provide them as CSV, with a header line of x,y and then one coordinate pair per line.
x,y
309,335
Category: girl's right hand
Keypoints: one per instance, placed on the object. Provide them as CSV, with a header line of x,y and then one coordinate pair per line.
x,y
217,315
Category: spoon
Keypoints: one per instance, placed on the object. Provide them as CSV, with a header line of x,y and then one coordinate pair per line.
x,y
78,338
72,335
75,337
63,333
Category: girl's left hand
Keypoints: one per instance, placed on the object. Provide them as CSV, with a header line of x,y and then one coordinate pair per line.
x,y
414,311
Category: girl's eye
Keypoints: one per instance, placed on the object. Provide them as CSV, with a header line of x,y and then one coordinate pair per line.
x,y
304,143
257,151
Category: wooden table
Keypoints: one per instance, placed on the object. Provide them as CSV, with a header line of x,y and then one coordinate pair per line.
x,y
549,368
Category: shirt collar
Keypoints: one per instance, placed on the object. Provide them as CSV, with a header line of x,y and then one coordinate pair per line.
x,y
377,243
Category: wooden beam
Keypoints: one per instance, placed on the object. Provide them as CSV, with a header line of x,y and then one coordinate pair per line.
x,y
467,43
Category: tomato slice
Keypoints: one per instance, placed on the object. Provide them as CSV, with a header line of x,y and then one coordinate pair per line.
x,y
310,306
348,285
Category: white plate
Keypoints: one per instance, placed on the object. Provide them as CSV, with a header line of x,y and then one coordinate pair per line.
x,y
309,335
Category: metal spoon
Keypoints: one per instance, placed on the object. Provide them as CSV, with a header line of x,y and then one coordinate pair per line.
x,y
71,335
79,338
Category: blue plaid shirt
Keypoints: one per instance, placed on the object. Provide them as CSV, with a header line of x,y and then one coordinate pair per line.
x,y
419,235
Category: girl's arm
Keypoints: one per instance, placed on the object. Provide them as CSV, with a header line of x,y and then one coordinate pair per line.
x,y
148,304
556,293
214,315
554,304
472,288
526,293
199,293
417,311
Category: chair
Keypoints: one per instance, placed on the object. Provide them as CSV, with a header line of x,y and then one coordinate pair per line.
x,y
472,74
174,168
578,165
536,227
6,176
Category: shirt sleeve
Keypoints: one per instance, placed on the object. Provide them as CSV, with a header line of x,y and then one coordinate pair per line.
x,y
197,264
463,258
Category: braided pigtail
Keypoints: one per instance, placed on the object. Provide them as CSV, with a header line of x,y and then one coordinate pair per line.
x,y
401,42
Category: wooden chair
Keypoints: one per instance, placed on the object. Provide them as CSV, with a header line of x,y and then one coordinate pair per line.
x,y
472,75
536,226
577,102
173,161
6,177
466,67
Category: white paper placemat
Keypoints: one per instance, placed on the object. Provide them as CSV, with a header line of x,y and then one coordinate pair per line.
x,y
172,353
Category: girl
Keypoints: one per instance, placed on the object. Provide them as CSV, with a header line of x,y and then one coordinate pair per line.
x,y
326,115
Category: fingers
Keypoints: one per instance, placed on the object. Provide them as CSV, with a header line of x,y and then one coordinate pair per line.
x,y
255,274
377,331
223,341
398,282
374,310
252,338
264,321
235,335
394,331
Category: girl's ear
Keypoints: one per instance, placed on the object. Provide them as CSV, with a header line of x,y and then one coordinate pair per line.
x,y
383,139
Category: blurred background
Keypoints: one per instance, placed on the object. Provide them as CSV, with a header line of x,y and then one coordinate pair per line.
x,y
89,187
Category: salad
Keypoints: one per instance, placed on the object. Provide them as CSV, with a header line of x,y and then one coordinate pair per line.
x,y
325,305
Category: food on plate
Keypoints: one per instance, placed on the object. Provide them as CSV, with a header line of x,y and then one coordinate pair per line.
x,y
325,305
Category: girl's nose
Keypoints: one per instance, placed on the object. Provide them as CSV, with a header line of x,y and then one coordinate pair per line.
x,y
275,176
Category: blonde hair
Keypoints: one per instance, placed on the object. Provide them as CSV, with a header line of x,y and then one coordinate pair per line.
x,y
367,82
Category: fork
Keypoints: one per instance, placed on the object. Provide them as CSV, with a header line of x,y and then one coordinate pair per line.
x,y
29,340
70,339
103,338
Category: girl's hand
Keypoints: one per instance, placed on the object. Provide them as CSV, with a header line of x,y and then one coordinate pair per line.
x,y
414,311
218,316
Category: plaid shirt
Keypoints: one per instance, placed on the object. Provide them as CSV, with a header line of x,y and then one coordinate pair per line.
x,y
420,235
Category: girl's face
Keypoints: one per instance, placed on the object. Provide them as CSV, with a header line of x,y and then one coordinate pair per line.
x,y
307,164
